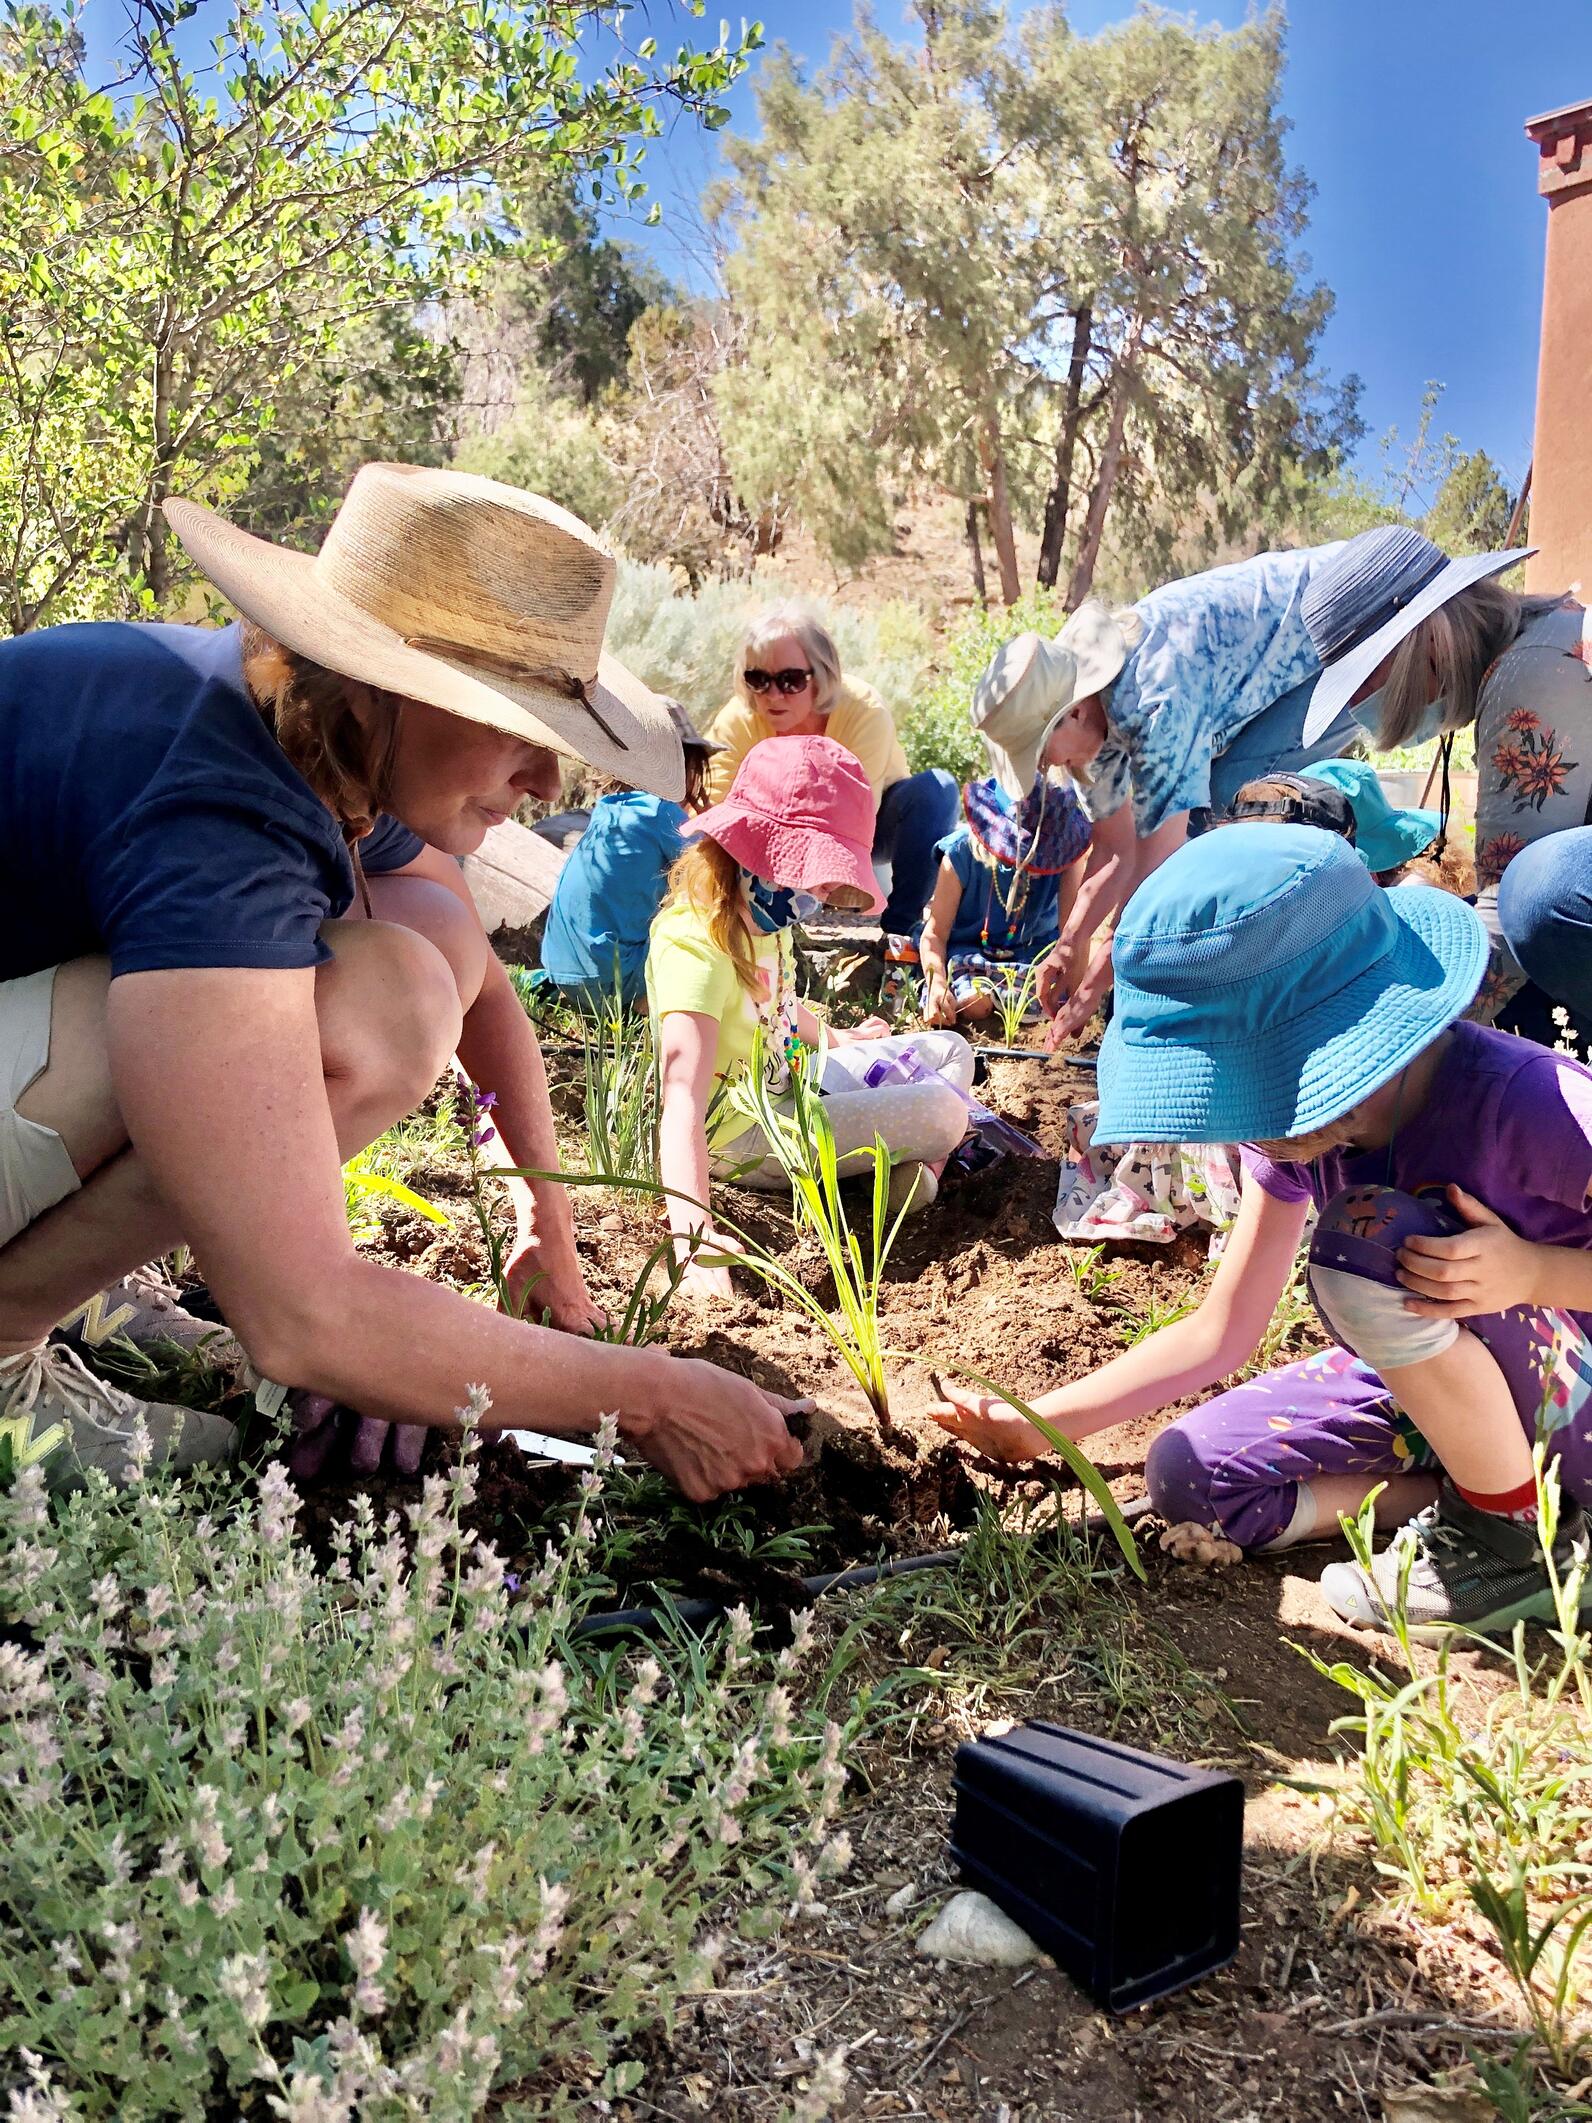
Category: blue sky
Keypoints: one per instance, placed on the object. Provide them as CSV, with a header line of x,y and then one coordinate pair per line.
x,y
1407,115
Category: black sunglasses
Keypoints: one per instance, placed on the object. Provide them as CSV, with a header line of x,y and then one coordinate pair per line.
x,y
787,682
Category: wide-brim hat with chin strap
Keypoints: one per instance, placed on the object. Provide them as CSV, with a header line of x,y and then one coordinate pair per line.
x,y
1370,597
471,596
1036,679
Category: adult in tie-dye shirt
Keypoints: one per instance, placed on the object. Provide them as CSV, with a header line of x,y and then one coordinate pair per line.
x,y
1213,693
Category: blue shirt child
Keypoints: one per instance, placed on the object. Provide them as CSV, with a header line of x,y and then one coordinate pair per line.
x,y
608,892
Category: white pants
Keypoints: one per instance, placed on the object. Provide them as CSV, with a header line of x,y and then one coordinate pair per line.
x,y
920,1123
35,1171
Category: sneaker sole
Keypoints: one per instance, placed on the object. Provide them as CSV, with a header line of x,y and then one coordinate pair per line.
x,y
1538,1608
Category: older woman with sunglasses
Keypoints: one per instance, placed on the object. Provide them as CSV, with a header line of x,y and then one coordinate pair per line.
x,y
788,683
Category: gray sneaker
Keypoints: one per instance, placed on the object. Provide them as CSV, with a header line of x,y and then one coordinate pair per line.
x,y
55,1412
145,1308
1469,1570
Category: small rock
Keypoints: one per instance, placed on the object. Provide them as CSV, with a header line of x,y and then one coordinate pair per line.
x,y
1200,1545
901,1899
1437,2104
971,1929
613,1222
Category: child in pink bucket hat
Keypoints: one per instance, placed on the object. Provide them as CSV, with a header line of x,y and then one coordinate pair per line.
x,y
798,818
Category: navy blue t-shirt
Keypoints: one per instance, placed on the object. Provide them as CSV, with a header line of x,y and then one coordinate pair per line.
x,y
147,813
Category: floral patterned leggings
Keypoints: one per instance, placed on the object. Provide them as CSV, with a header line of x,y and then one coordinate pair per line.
x,y
1237,1464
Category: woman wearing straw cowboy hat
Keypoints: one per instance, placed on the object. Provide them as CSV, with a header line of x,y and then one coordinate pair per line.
x,y
1164,710
1421,646
199,1023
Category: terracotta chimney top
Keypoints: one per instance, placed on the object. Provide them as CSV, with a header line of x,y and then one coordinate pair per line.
x,y
1564,148
1561,522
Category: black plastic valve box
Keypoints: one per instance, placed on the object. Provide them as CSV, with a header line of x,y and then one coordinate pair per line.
x,y
1125,1867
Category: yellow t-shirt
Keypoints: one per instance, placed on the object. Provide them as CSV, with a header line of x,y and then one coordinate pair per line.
x,y
687,971
859,720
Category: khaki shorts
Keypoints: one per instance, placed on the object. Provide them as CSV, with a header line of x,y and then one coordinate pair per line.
x,y
35,1171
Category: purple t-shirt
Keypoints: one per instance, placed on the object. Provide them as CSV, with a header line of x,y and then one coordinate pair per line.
x,y
1506,1120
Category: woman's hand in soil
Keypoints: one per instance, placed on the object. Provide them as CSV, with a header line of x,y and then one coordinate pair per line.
x,y
988,1425
538,1286
716,1431
1488,1268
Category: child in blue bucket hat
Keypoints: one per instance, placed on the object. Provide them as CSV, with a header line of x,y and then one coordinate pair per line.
x,y
1269,992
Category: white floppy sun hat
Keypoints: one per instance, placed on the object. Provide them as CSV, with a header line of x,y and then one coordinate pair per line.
x,y
1035,679
472,596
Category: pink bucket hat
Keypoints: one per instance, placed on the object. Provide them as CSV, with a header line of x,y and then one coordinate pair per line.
x,y
800,814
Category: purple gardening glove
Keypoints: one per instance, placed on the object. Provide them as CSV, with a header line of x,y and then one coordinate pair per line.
x,y
325,1432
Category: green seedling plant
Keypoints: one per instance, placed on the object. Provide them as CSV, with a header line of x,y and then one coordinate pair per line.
x,y
799,1137
620,1097
1500,1808
1089,1272
1013,995
1139,1326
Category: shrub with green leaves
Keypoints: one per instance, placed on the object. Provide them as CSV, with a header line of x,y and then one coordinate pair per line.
x,y
937,730
362,1841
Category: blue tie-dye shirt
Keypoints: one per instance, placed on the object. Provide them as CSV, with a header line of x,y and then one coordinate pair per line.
x,y
1217,650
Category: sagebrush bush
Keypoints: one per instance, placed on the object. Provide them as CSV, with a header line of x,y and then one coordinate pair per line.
x,y
360,1841
685,645
937,730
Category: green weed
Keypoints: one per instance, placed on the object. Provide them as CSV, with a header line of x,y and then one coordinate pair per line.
x,y
621,1093
1088,1271
1497,1807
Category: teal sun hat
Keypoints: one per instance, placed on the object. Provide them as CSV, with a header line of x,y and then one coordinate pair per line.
x,y
1265,984
1384,836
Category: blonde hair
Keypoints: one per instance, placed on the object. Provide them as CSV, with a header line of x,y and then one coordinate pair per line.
x,y
1449,654
308,711
708,878
774,623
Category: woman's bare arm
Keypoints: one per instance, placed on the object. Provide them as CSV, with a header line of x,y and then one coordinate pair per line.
x,y
218,1072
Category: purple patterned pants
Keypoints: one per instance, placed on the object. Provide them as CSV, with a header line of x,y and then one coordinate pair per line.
x,y
1239,1461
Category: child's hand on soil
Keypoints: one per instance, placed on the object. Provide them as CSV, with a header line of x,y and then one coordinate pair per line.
x,y
870,1028
701,1281
1488,1268
939,1006
988,1425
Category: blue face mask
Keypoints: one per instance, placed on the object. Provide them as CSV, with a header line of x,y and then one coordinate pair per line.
x,y
771,904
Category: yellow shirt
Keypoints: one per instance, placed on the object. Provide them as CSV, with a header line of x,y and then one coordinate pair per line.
x,y
687,971
859,720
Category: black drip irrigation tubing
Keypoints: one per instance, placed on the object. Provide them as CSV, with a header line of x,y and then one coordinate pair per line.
x,y
702,1615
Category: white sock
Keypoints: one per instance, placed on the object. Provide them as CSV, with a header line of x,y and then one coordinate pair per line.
x,y
1301,1527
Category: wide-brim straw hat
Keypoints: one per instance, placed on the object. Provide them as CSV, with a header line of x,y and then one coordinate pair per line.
x,y
474,597
1036,679
1372,596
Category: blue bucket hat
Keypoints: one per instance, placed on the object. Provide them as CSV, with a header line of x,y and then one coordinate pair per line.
x,y
1265,984
1385,836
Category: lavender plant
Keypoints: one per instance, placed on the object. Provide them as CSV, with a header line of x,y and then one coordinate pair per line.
x,y
363,1841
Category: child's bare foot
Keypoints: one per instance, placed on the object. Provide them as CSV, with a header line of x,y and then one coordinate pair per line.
x,y
1200,1545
